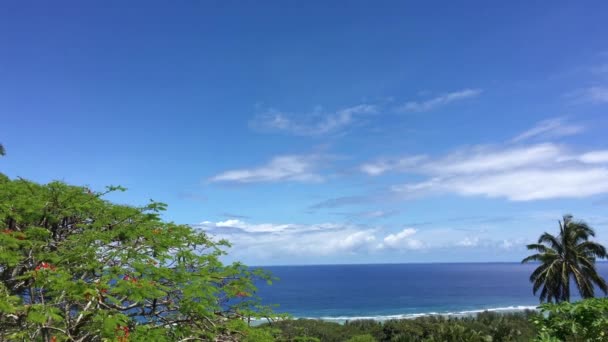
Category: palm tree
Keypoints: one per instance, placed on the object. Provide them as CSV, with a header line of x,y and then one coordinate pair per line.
x,y
568,256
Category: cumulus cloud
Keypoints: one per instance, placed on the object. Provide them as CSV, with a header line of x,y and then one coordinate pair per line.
x,y
439,101
295,168
402,240
477,242
468,242
278,242
317,123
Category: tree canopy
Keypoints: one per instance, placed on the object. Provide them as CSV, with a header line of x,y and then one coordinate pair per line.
x,y
77,267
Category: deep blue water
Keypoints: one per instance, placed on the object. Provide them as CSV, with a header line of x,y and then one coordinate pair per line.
x,y
404,290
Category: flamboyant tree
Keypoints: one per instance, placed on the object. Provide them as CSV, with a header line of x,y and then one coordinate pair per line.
x,y
76,267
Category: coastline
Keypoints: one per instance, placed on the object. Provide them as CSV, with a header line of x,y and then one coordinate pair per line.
x,y
464,313
383,318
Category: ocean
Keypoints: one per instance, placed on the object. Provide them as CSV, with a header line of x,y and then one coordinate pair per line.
x,y
385,291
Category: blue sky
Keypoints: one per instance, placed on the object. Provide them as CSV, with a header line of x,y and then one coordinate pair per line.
x,y
320,132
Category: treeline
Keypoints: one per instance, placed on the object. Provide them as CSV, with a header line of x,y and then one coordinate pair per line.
x,y
486,326
586,320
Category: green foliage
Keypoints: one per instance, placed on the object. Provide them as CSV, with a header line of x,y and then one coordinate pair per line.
x,y
362,338
586,320
568,256
74,266
484,327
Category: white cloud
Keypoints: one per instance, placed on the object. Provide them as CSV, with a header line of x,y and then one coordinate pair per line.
x,y
472,160
275,240
530,184
551,128
424,106
477,242
520,173
403,240
279,242
296,168
468,242
483,159
594,157
316,123
390,165
267,227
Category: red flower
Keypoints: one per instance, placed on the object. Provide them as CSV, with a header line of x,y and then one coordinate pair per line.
x,y
129,278
45,266
125,333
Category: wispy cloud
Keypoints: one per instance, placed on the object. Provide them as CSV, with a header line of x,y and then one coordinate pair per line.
x,y
439,101
268,227
517,173
340,202
550,128
595,157
276,240
600,69
317,123
383,165
595,95
519,185
471,160
535,172
294,168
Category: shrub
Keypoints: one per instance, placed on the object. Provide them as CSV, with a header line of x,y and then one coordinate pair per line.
x,y
586,320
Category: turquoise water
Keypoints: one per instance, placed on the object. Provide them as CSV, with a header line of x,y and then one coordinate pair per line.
x,y
340,292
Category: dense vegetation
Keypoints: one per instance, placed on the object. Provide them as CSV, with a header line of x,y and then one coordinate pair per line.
x,y
76,267
582,321
484,327
586,320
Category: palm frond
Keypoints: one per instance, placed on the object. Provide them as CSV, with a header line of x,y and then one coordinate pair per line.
x,y
568,256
